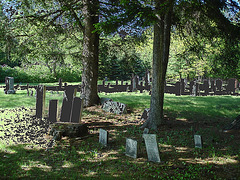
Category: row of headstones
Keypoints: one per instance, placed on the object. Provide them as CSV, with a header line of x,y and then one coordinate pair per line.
x,y
215,86
132,147
71,110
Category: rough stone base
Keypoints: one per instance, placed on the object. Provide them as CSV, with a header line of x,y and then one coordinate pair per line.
x,y
68,129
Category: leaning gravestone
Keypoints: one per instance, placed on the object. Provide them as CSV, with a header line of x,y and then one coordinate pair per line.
x,y
103,137
198,141
69,94
114,107
131,148
76,112
152,147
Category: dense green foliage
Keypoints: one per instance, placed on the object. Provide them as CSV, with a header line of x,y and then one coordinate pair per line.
x,y
45,49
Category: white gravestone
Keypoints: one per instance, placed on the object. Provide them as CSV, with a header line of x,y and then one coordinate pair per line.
x,y
131,148
103,137
152,147
198,141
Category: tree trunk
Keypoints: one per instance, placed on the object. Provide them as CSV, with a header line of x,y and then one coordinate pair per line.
x,y
161,44
90,53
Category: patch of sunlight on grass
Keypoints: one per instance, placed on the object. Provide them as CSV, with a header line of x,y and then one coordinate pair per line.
x,y
4,148
215,160
67,164
35,164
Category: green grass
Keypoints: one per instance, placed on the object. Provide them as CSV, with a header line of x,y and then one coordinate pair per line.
x,y
86,159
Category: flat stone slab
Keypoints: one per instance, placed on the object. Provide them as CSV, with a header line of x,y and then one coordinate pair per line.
x,y
68,129
114,107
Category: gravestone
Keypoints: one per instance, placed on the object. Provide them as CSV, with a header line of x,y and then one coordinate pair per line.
x,y
198,141
219,84
76,113
102,100
40,101
206,87
114,107
145,131
177,89
131,148
231,86
10,85
103,137
152,147
52,113
69,93
145,114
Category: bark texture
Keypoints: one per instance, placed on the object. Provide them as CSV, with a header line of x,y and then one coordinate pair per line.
x,y
90,53
161,46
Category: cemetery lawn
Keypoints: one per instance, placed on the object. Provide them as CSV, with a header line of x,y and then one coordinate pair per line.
x,y
23,140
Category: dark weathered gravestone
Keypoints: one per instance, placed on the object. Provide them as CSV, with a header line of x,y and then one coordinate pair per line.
x,y
131,148
219,84
40,101
114,107
103,137
76,113
9,85
206,87
152,147
231,86
177,89
69,93
198,141
53,109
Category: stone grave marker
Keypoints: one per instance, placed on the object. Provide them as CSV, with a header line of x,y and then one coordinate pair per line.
x,y
77,107
69,93
131,148
145,131
114,107
198,141
53,107
152,147
103,137
40,101
145,114
10,85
